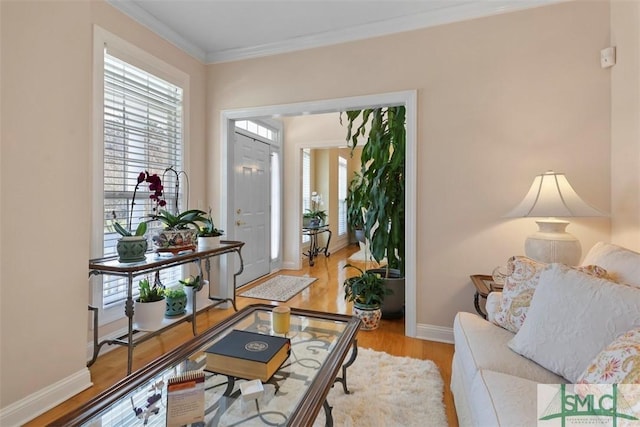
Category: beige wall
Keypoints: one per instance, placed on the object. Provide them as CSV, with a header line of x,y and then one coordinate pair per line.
x,y
499,101
625,124
45,174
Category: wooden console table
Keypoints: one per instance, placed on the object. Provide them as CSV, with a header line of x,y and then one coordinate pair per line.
x,y
152,264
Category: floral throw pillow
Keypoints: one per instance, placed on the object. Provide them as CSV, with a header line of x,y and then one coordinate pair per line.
x,y
618,363
519,285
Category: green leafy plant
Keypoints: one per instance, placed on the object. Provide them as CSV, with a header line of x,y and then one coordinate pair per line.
x,y
355,202
156,188
366,289
191,281
150,293
177,292
208,228
382,188
181,221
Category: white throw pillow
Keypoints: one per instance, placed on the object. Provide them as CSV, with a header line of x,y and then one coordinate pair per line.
x,y
622,264
572,317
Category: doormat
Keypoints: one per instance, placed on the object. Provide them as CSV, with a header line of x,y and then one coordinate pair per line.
x,y
279,288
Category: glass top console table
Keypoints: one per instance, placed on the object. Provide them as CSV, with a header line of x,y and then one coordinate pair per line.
x,y
152,264
293,396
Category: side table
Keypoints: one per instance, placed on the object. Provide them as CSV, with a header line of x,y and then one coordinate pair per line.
x,y
484,286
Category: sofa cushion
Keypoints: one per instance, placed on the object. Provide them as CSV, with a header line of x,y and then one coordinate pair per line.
x,y
618,363
622,264
572,317
483,345
522,278
501,400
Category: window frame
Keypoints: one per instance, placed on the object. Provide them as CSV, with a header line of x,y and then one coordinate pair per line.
x,y
141,59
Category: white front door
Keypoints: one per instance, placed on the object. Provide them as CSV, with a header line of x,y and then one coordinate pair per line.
x,y
252,218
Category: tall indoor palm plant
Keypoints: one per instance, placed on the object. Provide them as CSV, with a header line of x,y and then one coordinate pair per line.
x,y
382,181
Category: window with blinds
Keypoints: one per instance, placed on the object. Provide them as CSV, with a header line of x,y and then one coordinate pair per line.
x,y
306,185
342,196
143,117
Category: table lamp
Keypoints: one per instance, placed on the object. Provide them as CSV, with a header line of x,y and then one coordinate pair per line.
x,y
549,197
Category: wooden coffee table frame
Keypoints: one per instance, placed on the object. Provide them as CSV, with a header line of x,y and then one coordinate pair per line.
x,y
305,413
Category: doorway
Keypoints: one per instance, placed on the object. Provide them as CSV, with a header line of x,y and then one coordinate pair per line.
x,y
292,216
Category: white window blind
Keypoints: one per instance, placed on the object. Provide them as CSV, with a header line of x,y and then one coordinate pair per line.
x,y
142,132
342,196
306,185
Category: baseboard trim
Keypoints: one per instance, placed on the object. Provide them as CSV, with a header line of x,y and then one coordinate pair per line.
x,y
38,403
435,333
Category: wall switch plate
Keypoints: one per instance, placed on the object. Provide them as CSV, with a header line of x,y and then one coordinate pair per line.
x,y
608,57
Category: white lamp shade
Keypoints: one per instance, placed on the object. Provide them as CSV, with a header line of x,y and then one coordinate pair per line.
x,y
551,195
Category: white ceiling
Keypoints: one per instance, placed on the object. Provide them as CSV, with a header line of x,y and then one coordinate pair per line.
x,y
226,30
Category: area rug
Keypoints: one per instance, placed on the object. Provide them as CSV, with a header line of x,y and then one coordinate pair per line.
x,y
279,288
388,391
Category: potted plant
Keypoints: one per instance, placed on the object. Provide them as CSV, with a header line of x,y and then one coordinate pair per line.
x,y
180,230
355,195
176,299
132,246
367,292
149,306
208,234
199,288
383,192
314,217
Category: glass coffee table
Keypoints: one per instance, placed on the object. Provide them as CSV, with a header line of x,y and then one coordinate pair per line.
x,y
320,343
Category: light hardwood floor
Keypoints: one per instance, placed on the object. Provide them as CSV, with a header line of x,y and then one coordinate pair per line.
x,y
325,294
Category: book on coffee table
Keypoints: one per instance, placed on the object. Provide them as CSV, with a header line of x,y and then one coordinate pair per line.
x,y
185,399
248,355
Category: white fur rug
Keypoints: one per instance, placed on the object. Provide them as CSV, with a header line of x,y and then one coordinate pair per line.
x,y
388,391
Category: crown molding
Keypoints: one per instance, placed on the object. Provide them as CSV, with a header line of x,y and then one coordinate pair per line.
x,y
144,18
446,15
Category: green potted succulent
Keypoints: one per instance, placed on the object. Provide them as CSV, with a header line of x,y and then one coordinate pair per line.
x,y
195,286
149,306
176,299
180,230
208,234
367,291
381,193
132,246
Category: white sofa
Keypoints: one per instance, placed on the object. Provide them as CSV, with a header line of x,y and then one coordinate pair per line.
x,y
493,385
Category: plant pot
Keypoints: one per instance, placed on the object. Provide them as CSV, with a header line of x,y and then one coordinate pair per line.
x,y
148,315
175,240
202,296
393,305
132,248
208,242
370,316
175,306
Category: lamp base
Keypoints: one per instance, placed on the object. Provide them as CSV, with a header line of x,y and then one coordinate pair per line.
x,y
551,243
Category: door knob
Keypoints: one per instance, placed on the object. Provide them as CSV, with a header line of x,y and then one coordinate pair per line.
x,y
239,223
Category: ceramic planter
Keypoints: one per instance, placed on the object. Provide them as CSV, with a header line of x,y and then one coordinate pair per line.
x,y
175,306
370,316
148,315
202,296
132,248
209,242
175,240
